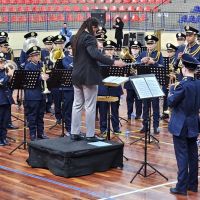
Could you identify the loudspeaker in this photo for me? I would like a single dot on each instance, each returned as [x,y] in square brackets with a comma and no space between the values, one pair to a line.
[100,15]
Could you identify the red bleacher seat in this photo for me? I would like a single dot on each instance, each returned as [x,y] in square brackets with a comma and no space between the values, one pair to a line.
[76,8]
[135,1]
[109,1]
[58,8]
[122,8]
[12,1]
[50,8]
[151,1]
[69,17]
[82,1]
[135,18]
[20,9]
[79,17]
[28,2]
[131,8]
[85,8]
[35,8]
[147,9]
[36,2]
[139,9]
[144,1]
[91,1]
[22,19]
[5,19]
[105,8]
[117,1]
[4,9]
[14,19]
[19,1]
[142,18]
[100,1]
[67,8]
[73,1]
[107,17]
[5,2]
[113,8]
[12,9]
[94,7]
[48,2]
[155,9]
[43,8]
[125,18]
[57,2]
[61,17]
[27,9]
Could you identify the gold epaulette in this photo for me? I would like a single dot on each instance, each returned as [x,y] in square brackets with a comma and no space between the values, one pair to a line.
[157,56]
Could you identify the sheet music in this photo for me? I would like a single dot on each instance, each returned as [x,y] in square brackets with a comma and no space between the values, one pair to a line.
[100,144]
[115,80]
[141,88]
[154,86]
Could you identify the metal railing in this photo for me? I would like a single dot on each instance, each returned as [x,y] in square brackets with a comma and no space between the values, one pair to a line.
[45,21]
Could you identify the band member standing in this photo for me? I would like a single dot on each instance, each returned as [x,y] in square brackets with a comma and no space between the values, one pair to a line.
[109,48]
[198,38]
[180,37]
[34,98]
[135,48]
[171,54]
[151,57]
[86,76]
[68,92]
[8,53]
[46,60]
[59,43]
[184,125]
[5,100]
[119,25]
[30,40]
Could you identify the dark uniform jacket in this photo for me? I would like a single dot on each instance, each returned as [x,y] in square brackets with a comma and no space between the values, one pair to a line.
[119,30]
[185,104]
[86,70]
[34,94]
[5,92]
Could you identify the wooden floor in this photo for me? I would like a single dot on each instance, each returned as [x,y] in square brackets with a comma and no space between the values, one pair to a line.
[21,182]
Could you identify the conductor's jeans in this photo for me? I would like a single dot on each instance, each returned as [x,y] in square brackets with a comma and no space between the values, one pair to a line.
[84,95]
[186,152]
[4,114]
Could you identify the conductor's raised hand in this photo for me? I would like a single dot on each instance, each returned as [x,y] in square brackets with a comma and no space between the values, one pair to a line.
[119,63]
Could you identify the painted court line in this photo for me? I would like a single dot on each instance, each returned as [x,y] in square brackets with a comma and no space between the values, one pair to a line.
[139,190]
[88,192]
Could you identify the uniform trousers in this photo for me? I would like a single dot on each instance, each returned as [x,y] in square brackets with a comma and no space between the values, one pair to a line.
[84,95]
[4,115]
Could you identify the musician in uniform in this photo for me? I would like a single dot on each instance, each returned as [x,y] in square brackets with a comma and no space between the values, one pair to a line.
[34,98]
[198,38]
[68,92]
[184,125]
[5,99]
[171,54]
[181,40]
[46,60]
[27,43]
[151,57]
[59,43]
[135,48]
[8,53]
[100,40]
[109,48]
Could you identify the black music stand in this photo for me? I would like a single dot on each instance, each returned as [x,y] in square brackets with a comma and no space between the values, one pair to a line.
[22,80]
[146,86]
[160,73]
[60,78]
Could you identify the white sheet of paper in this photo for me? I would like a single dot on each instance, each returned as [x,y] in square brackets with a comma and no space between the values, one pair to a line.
[100,144]
[115,79]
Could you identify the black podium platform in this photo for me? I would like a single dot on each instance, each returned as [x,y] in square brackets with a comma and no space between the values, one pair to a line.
[67,158]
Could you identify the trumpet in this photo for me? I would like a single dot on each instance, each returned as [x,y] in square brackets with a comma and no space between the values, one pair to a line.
[44,71]
[125,54]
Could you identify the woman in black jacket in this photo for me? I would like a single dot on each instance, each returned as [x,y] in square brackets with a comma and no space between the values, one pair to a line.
[86,77]
[119,25]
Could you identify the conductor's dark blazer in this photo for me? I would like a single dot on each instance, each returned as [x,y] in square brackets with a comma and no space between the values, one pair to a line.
[86,70]
[185,104]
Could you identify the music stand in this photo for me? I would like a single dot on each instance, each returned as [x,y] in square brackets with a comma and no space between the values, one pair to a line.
[22,80]
[60,78]
[146,86]
[160,73]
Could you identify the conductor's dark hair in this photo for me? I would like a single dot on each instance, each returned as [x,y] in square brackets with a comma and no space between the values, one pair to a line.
[87,24]
[120,19]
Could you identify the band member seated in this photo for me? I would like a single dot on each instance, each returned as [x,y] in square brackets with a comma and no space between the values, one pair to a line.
[46,60]
[109,48]
[135,49]
[151,57]
[34,98]
[30,39]
[5,99]
[68,92]
[184,125]
[8,53]
[59,41]
[171,52]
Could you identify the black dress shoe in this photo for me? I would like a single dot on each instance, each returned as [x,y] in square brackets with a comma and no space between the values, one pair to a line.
[11,126]
[76,137]
[156,131]
[95,138]
[137,117]
[43,136]
[192,189]
[2,142]
[175,191]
